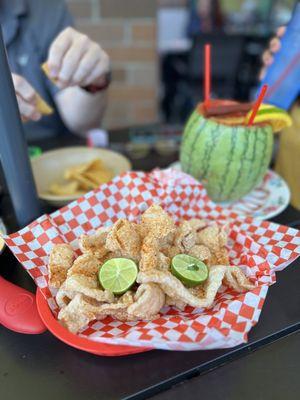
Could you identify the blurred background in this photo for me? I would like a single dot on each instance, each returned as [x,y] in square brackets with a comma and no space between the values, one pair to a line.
[156,50]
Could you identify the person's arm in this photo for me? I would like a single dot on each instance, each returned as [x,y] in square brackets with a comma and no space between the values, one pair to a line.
[80,110]
[76,62]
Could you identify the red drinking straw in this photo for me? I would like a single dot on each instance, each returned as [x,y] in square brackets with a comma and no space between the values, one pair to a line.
[207,74]
[257,104]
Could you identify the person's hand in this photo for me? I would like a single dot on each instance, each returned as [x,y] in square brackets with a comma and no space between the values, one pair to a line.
[26,97]
[75,60]
[274,46]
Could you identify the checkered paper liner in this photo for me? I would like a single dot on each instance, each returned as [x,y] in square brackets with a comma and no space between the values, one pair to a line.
[259,247]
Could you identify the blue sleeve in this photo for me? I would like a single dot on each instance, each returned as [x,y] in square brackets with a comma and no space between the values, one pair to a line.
[58,18]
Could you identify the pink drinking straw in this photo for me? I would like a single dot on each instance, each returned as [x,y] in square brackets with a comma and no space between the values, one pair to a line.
[207,74]
[257,104]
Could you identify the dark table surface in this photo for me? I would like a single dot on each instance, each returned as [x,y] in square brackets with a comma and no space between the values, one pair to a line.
[271,373]
[42,367]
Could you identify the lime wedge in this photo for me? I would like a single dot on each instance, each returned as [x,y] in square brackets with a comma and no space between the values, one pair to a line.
[118,275]
[189,270]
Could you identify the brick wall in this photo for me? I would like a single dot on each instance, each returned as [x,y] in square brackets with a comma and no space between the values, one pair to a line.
[126,29]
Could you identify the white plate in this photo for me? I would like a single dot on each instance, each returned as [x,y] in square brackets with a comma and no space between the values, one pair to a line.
[268,199]
[50,166]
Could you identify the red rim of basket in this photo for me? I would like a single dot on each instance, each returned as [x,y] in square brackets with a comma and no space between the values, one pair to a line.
[101,349]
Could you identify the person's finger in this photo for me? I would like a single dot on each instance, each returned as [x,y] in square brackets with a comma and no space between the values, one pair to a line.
[93,77]
[281,31]
[58,49]
[23,88]
[72,58]
[87,64]
[267,58]
[262,74]
[28,110]
[275,45]
[98,72]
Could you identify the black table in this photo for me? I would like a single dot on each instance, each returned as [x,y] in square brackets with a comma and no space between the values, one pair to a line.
[42,367]
[271,373]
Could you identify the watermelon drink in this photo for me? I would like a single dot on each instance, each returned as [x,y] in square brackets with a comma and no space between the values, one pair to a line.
[220,150]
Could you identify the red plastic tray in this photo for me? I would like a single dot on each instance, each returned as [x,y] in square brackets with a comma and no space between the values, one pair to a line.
[101,349]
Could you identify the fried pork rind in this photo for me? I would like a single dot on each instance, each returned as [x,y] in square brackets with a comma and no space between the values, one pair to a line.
[87,265]
[124,238]
[95,244]
[83,285]
[199,251]
[149,254]
[149,299]
[117,310]
[215,238]
[156,222]
[185,237]
[175,303]
[164,262]
[157,229]
[89,287]
[170,251]
[237,280]
[63,296]
[197,224]
[178,292]
[77,314]
[186,241]
[81,310]
[152,244]
[219,257]
[82,278]
[61,259]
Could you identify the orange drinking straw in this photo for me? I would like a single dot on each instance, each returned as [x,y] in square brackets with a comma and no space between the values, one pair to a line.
[207,73]
[257,104]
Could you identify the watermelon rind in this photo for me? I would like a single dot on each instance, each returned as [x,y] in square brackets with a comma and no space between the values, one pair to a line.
[229,160]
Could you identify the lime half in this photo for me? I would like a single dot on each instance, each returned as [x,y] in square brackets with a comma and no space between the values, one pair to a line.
[189,270]
[118,275]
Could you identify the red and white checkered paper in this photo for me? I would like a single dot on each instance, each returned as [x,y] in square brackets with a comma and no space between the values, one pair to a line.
[260,247]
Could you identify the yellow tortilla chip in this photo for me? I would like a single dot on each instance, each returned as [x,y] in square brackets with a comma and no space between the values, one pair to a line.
[64,189]
[96,165]
[42,106]
[99,177]
[84,182]
[46,71]
[75,170]
[82,178]
[82,168]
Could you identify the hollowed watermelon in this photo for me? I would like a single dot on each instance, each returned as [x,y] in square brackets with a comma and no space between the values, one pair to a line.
[229,160]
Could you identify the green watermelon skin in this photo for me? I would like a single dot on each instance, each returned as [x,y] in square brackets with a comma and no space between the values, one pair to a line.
[229,160]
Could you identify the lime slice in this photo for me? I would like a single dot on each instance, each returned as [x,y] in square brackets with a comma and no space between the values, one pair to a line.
[118,275]
[276,117]
[189,270]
